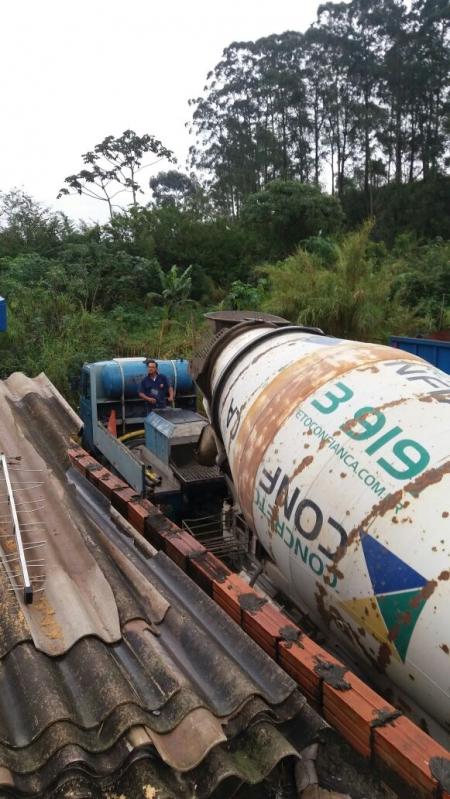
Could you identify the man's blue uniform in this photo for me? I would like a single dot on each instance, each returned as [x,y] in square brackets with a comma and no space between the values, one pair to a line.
[155,387]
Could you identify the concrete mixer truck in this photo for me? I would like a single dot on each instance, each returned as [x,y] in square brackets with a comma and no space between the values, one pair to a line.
[338,455]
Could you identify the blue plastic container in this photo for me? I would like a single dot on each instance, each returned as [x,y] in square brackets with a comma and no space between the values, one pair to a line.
[435,352]
[125,376]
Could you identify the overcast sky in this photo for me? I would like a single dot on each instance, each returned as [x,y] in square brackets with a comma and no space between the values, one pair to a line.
[75,71]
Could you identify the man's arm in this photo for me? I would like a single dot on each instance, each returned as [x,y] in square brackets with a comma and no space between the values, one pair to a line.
[143,395]
[147,399]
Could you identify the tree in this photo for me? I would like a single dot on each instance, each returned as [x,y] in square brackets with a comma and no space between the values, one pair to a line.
[285,213]
[28,226]
[174,188]
[432,60]
[112,163]
[248,122]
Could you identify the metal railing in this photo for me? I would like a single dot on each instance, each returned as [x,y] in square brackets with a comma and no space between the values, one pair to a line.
[225,535]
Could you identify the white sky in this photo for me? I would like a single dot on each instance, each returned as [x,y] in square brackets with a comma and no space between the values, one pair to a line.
[75,72]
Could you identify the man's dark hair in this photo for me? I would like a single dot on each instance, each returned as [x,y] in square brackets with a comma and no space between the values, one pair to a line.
[150,360]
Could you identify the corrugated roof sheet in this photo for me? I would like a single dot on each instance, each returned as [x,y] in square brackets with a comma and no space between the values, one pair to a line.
[124,679]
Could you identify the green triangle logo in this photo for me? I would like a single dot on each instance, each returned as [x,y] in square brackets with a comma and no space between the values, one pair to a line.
[400,613]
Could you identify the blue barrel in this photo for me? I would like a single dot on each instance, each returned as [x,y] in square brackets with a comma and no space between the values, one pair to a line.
[126,375]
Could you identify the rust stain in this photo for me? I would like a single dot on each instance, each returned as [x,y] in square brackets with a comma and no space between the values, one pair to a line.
[333,615]
[384,657]
[392,404]
[373,369]
[426,398]
[445,514]
[445,575]
[333,569]
[382,507]
[279,400]
[427,478]
[381,662]
[319,596]
[249,366]
[351,423]
[445,648]
[343,475]
[302,465]
[393,632]
[423,594]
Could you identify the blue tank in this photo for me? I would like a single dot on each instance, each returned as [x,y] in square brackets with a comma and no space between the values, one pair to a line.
[124,375]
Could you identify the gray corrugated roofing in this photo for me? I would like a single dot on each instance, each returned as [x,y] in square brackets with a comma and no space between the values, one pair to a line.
[133,684]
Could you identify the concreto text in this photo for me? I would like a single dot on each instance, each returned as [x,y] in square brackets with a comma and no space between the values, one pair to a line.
[303,521]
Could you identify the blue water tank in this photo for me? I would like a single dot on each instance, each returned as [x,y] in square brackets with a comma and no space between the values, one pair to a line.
[2,315]
[125,375]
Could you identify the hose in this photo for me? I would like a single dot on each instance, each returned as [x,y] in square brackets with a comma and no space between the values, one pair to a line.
[130,436]
[152,477]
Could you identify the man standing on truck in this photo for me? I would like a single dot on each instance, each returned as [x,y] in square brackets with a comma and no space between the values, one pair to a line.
[154,388]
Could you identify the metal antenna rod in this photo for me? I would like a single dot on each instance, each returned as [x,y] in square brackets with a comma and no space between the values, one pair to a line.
[27,589]
[15,468]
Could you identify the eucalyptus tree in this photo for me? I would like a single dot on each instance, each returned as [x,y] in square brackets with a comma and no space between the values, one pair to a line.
[174,188]
[431,20]
[365,18]
[282,96]
[395,85]
[247,123]
[333,61]
[223,121]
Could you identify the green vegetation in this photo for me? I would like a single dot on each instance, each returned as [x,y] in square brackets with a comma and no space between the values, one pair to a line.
[363,96]
[87,294]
